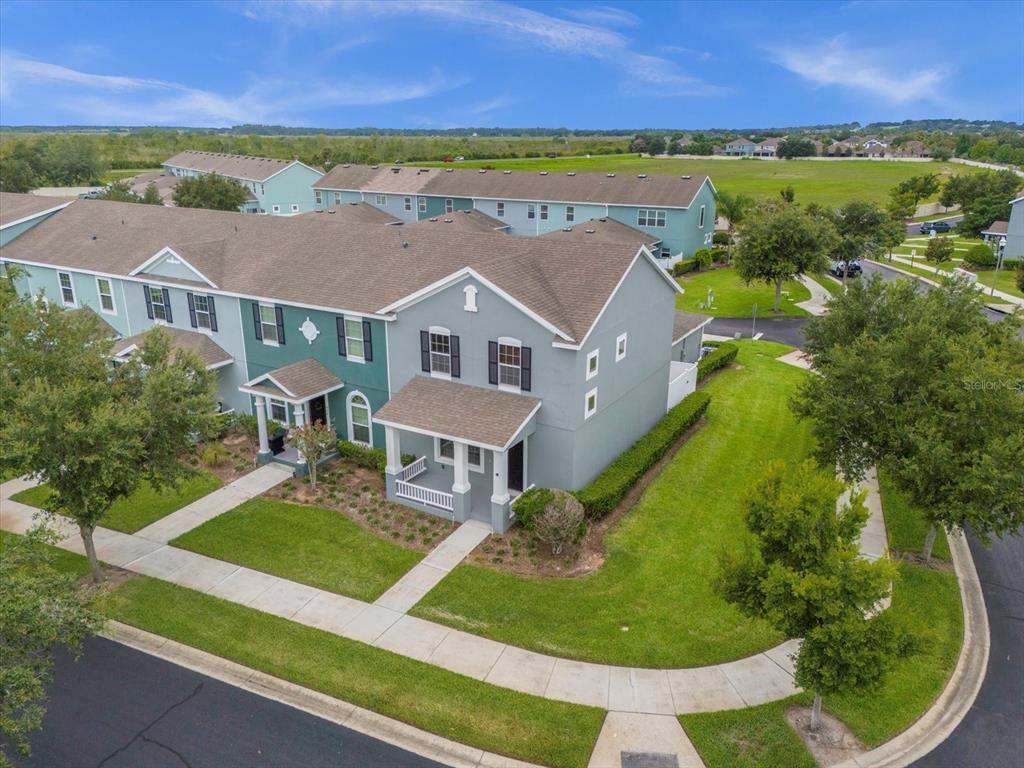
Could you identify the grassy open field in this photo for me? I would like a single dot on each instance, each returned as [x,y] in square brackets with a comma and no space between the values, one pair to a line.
[734,299]
[827,182]
[652,603]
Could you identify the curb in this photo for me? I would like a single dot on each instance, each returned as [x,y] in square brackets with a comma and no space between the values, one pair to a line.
[394,732]
[957,698]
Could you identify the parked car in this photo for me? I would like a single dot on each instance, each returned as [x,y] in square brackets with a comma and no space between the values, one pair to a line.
[937,226]
[839,268]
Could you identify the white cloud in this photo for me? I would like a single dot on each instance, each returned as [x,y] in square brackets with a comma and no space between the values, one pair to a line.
[97,98]
[490,105]
[605,14]
[510,22]
[870,72]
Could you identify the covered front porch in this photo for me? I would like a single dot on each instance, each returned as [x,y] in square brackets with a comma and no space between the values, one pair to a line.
[301,387]
[470,445]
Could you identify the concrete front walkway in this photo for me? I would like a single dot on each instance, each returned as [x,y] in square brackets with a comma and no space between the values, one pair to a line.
[819,296]
[653,741]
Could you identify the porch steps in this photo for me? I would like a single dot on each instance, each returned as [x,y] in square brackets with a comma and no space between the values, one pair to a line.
[427,574]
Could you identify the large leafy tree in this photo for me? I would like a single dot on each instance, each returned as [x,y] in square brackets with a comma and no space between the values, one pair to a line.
[41,608]
[92,433]
[861,229]
[780,241]
[795,146]
[802,573]
[922,383]
[210,190]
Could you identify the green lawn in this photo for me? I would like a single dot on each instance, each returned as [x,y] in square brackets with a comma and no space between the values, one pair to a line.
[905,525]
[734,299]
[1005,278]
[756,737]
[312,545]
[124,173]
[834,287]
[826,182]
[451,705]
[143,507]
[652,603]
[63,561]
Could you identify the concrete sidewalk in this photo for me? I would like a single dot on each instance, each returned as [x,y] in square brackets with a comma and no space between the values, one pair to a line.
[981,284]
[819,296]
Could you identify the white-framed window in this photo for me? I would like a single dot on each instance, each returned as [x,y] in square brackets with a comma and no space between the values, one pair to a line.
[201,303]
[449,205]
[590,403]
[531,211]
[500,210]
[444,453]
[359,429]
[510,363]
[337,198]
[317,196]
[593,361]
[268,324]
[407,204]
[355,347]
[620,347]
[570,213]
[543,213]
[156,298]
[382,199]
[277,410]
[650,217]
[295,208]
[106,292]
[440,352]
[700,224]
[275,208]
[421,204]
[67,290]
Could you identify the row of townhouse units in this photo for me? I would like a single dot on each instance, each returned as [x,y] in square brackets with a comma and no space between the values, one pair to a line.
[677,211]
[498,362]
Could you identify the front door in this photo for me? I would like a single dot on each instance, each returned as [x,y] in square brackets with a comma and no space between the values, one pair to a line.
[515,467]
[318,410]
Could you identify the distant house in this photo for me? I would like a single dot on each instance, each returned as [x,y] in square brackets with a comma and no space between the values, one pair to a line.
[911,148]
[163,181]
[767,148]
[740,147]
[278,187]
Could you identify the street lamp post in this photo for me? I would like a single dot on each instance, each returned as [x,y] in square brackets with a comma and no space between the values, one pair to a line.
[998,247]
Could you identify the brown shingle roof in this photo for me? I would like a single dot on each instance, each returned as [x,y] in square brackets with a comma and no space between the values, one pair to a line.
[461,221]
[685,323]
[298,381]
[602,230]
[209,351]
[15,206]
[996,228]
[236,166]
[600,188]
[353,213]
[486,417]
[309,261]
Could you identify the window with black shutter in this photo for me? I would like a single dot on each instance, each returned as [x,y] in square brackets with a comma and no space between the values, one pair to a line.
[425,351]
[339,324]
[492,362]
[456,362]
[526,376]
[367,342]
[279,314]
[167,306]
[149,302]
[257,323]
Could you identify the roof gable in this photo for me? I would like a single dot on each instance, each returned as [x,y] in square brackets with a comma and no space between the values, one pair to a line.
[168,263]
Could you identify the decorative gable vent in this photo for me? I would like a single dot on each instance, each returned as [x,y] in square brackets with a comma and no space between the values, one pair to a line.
[470,291]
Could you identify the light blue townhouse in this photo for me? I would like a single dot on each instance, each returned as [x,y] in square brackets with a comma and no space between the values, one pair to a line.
[484,357]
[276,187]
[679,211]
[740,147]
[19,213]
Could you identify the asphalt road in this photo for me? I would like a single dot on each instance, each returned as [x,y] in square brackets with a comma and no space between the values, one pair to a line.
[914,227]
[121,708]
[992,733]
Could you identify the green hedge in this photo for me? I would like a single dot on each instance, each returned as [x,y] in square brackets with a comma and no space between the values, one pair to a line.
[531,503]
[371,458]
[720,358]
[601,496]
[680,268]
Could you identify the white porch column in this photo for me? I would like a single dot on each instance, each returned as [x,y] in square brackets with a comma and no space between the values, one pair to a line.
[393,447]
[461,484]
[499,492]
[261,424]
[300,421]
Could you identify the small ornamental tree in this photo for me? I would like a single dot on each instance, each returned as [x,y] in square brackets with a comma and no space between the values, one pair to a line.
[803,575]
[314,441]
[93,433]
[152,195]
[939,249]
[119,192]
[563,521]
[891,234]
[210,190]
[41,608]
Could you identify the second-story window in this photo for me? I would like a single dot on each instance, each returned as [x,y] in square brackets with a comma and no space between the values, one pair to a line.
[318,197]
[543,213]
[531,211]
[439,353]
[649,217]
[158,304]
[509,364]
[67,290]
[407,204]
[337,198]
[106,293]
[382,199]
[269,323]
[449,205]
[570,213]
[700,224]
[421,204]
[355,348]
[500,209]
[202,311]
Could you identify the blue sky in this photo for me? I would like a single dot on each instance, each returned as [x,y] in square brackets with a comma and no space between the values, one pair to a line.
[451,63]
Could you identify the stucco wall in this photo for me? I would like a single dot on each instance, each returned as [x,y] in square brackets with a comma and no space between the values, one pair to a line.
[1015,233]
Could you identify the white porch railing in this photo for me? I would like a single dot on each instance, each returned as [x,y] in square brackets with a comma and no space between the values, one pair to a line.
[416,468]
[428,496]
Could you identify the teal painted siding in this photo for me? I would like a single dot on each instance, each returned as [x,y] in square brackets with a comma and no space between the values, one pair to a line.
[682,233]
[7,234]
[371,378]
[436,206]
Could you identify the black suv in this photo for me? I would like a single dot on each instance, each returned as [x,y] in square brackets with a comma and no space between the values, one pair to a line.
[938,226]
[839,267]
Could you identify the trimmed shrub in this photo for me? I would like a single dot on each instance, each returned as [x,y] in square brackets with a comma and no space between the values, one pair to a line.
[704,257]
[601,496]
[720,358]
[249,425]
[563,521]
[370,458]
[939,249]
[720,254]
[530,503]
[222,424]
[980,256]
[720,238]
[682,267]
[214,455]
